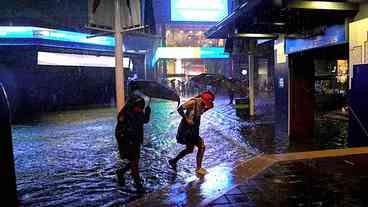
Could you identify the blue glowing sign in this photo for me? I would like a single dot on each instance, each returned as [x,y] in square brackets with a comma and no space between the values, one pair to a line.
[16,32]
[53,34]
[199,10]
[189,53]
[333,35]
[213,52]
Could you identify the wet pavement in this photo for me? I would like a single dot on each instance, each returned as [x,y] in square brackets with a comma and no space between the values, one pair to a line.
[332,181]
[223,179]
[331,133]
[69,158]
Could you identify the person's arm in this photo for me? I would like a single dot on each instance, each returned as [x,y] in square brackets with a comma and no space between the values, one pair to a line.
[208,108]
[147,114]
[181,111]
[187,105]
[121,115]
[119,126]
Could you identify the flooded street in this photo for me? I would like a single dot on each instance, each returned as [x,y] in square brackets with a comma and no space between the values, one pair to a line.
[286,82]
[70,158]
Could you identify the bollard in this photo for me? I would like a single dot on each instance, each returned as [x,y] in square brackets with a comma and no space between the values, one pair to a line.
[242,108]
[7,170]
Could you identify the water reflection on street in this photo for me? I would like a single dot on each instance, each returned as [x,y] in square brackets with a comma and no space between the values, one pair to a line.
[70,158]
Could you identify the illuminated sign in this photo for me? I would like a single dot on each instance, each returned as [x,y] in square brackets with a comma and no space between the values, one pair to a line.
[189,53]
[281,83]
[199,10]
[53,34]
[280,52]
[213,52]
[332,35]
[65,59]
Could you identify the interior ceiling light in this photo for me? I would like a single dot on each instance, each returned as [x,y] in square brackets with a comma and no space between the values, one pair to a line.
[324,5]
[256,35]
[279,23]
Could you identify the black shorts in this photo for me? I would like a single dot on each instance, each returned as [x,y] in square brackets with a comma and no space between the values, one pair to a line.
[188,134]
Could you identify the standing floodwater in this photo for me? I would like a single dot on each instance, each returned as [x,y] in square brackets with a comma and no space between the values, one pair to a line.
[70,158]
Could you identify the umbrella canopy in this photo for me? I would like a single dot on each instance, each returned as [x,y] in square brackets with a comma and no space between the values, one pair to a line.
[154,89]
[207,79]
[220,81]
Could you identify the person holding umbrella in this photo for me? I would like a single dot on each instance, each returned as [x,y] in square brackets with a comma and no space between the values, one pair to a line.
[188,130]
[130,121]
[129,136]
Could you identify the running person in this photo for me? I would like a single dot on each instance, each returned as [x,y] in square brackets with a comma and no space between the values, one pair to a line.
[188,130]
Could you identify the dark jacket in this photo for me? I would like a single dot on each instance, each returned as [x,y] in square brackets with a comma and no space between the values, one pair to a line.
[129,126]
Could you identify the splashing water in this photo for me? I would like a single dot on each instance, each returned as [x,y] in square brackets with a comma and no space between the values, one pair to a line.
[70,158]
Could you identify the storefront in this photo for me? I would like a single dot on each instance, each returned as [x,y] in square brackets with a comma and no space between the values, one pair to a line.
[182,63]
[317,84]
[49,69]
[311,56]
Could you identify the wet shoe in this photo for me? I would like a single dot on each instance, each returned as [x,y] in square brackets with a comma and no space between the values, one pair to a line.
[201,171]
[120,179]
[172,165]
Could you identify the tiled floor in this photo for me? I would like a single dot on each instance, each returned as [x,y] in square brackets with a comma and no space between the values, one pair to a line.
[315,178]
[338,181]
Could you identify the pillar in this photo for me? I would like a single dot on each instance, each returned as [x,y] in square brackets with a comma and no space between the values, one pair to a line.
[179,67]
[7,169]
[281,86]
[119,69]
[251,62]
[301,95]
[251,65]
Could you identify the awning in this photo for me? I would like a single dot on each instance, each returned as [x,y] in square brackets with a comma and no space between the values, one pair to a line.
[225,27]
[256,18]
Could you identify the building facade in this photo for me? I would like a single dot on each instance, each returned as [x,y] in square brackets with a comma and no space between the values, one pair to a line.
[49,62]
[185,51]
[316,49]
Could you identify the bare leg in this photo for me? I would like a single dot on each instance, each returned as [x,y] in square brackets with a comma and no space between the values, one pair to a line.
[189,149]
[201,148]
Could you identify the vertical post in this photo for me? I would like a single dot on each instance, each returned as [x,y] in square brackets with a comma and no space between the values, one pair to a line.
[178,67]
[145,66]
[251,82]
[119,68]
[232,66]
[7,170]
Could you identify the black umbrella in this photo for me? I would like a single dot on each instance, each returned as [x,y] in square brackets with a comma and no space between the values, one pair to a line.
[220,81]
[207,79]
[154,89]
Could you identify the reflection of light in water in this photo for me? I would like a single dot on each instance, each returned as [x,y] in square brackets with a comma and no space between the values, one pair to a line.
[81,144]
[218,179]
